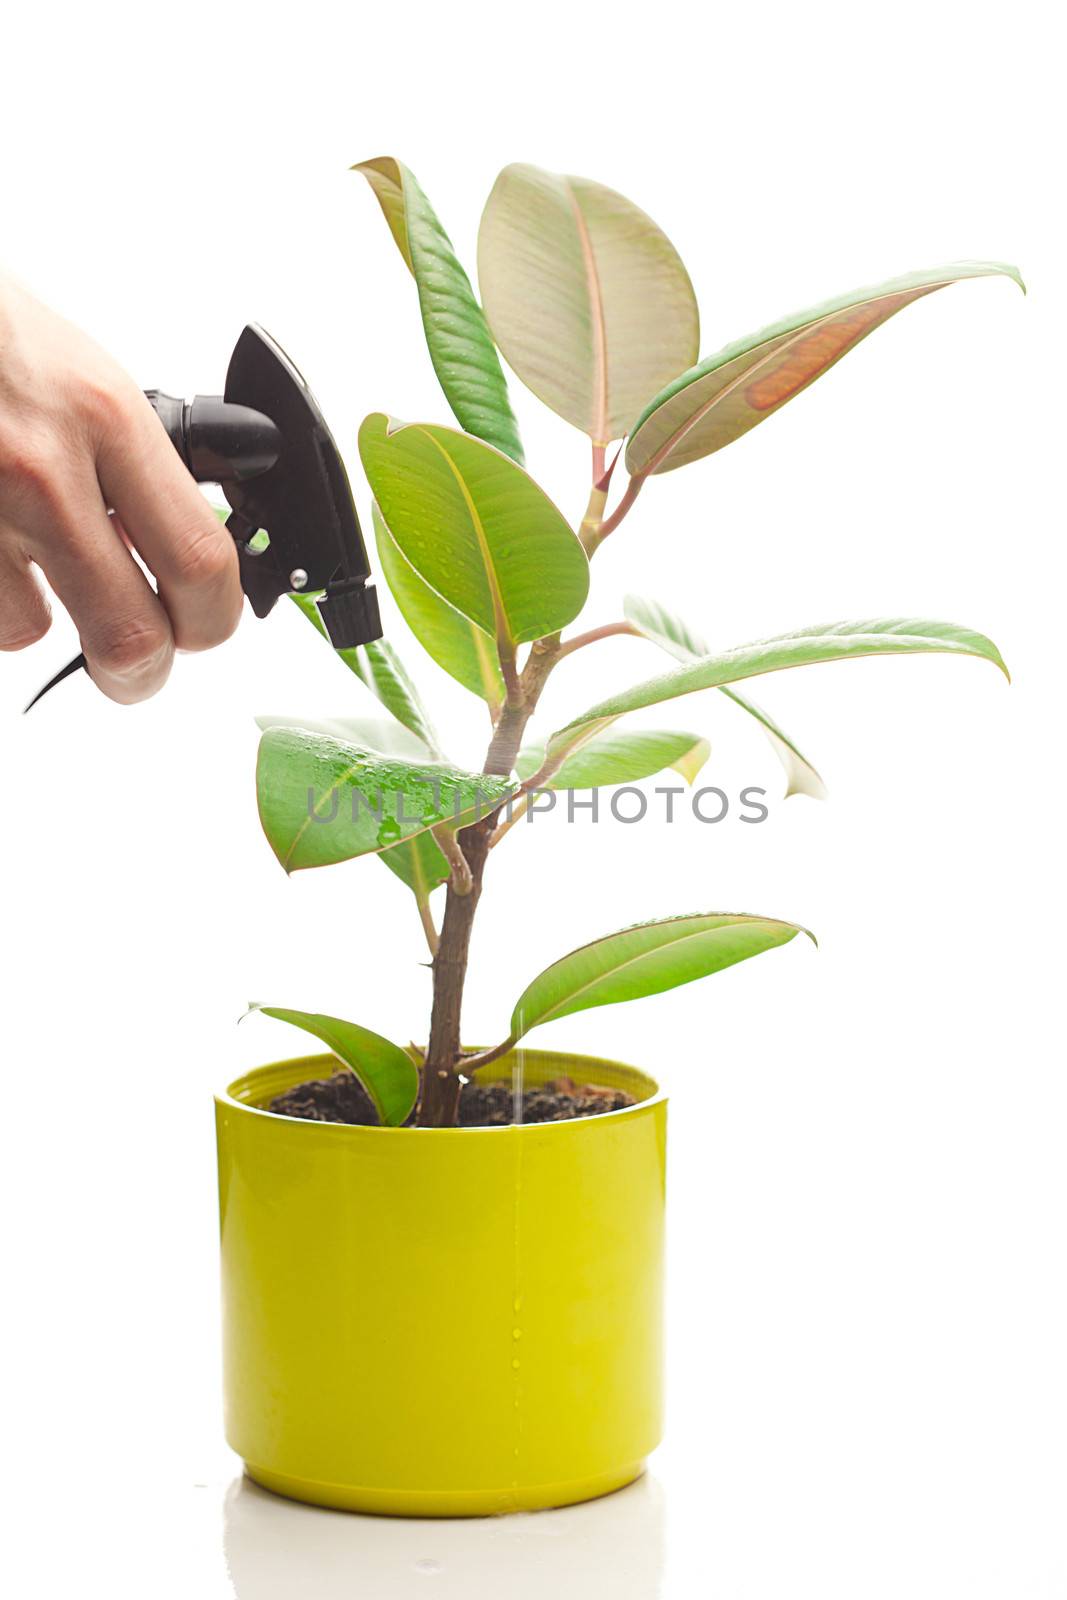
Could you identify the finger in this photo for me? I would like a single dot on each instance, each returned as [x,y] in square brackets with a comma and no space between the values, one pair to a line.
[24,613]
[125,631]
[193,557]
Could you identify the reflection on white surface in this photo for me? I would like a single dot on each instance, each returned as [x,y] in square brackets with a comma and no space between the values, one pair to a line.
[278,1550]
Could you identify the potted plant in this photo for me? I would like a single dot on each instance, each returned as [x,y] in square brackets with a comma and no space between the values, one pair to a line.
[442,1265]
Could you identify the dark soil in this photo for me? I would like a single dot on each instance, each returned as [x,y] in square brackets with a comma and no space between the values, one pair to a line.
[342,1098]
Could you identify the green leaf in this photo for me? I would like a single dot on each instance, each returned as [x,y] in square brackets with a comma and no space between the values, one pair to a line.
[386,677]
[621,758]
[369,733]
[801,776]
[464,650]
[586,296]
[323,800]
[381,670]
[726,394]
[419,863]
[459,341]
[387,1073]
[644,960]
[662,627]
[476,529]
[836,641]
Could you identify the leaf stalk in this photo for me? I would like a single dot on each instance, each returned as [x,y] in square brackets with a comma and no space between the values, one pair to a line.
[470,1064]
[633,489]
[608,630]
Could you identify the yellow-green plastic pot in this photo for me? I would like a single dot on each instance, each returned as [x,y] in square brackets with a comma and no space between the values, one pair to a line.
[443,1322]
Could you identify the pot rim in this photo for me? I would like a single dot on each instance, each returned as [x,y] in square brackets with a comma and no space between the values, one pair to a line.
[232,1100]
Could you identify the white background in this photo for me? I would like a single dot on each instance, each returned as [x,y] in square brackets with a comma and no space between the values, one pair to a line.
[868,1183]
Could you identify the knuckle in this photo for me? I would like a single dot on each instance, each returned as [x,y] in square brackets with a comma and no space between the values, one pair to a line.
[19,634]
[204,558]
[31,466]
[104,408]
[131,648]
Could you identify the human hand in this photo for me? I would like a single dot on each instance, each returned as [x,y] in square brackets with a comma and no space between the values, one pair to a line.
[77,439]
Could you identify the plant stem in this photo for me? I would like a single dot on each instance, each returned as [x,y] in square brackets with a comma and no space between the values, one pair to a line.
[509,674]
[439,1105]
[548,768]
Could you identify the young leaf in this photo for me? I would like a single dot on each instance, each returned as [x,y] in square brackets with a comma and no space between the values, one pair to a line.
[380,668]
[726,394]
[662,627]
[386,1072]
[386,676]
[836,641]
[621,758]
[476,529]
[586,296]
[323,800]
[464,650]
[461,348]
[644,960]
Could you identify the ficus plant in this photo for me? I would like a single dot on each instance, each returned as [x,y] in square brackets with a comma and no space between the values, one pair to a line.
[590,305]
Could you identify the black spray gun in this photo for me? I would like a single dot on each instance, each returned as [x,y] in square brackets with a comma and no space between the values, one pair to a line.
[266,444]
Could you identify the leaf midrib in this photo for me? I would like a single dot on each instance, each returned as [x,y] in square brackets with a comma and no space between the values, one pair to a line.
[599,322]
[338,783]
[633,960]
[920,647]
[481,642]
[582,729]
[503,629]
[809,327]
